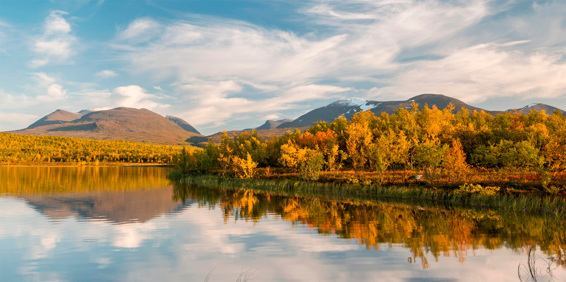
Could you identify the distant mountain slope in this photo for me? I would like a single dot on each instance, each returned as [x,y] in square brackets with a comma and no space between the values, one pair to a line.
[264,134]
[137,125]
[56,117]
[351,106]
[183,124]
[537,107]
[269,124]
[327,113]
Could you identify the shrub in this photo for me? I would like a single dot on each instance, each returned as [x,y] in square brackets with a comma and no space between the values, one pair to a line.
[310,168]
[244,168]
[477,189]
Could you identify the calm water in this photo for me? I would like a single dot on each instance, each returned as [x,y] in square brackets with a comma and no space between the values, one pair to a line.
[120,224]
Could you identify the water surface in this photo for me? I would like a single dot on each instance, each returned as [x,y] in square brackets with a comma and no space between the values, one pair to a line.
[132,223]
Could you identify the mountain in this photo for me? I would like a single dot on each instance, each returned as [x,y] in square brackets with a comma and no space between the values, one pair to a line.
[137,125]
[351,106]
[183,124]
[537,107]
[264,134]
[269,124]
[56,117]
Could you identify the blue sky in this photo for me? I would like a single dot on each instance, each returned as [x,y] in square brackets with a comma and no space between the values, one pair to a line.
[234,64]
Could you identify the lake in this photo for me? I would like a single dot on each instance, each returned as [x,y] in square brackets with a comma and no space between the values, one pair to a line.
[134,224]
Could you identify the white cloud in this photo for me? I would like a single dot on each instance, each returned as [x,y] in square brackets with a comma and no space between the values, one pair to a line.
[48,88]
[225,72]
[214,61]
[43,79]
[472,72]
[134,96]
[212,102]
[271,117]
[55,44]
[140,30]
[56,24]
[11,121]
[106,74]
[54,92]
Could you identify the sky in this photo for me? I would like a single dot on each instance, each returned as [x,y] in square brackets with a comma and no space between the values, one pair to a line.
[234,64]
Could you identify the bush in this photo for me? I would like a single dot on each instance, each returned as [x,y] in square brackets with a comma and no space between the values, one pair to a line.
[244,168]
[310,168]
[477,189]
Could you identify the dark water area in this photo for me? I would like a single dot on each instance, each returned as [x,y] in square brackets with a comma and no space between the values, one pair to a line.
[134,224]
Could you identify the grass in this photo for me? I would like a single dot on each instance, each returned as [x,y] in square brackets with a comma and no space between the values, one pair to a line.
[505,202]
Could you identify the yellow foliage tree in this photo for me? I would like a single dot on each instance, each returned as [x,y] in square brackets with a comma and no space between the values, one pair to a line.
[244,168]
[454,162]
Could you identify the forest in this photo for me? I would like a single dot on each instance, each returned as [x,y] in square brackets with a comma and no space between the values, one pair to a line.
[18,149]
[439,146]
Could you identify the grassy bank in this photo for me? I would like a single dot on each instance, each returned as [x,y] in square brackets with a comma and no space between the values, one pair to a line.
[505,201]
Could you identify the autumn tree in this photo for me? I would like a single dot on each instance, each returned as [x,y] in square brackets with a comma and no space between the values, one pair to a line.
[454,162]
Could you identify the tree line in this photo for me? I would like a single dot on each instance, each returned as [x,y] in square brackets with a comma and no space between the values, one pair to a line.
[15,148]
[423,139]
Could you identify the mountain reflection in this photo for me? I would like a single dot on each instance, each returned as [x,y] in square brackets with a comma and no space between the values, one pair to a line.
[425,231]
[113,194]
[113,206]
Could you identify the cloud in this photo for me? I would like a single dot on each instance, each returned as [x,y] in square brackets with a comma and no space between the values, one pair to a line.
[140,30]
[231,69]
[11,121]
[221,73]
[51,91]
[136,97]
[54,92]
[106,74]
[55,44]
[212,102]
[55,24]
[472,72]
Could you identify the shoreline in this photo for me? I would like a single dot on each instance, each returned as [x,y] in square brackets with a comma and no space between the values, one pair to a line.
[507,201]
[87,164]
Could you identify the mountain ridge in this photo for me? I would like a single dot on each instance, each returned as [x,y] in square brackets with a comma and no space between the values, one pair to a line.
[122,123]
[349,107]
[142,125]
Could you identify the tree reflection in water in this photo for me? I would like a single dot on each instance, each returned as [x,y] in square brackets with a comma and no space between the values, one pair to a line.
[432,231]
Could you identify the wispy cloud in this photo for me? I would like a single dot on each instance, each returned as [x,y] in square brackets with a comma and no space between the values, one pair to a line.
[141,30]
[223,73]
[55,44]
[224,55]
[480,72]
[215,104]
[106,74]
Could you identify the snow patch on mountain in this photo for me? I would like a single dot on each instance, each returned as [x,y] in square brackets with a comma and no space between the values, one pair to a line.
[352,102]
[529,106]
[356,102]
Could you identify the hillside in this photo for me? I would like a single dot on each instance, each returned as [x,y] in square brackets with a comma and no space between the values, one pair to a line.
[351,106]
[264,134]
[183,124]
[270,124]
[537,107]
[137,125]
[56,117]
